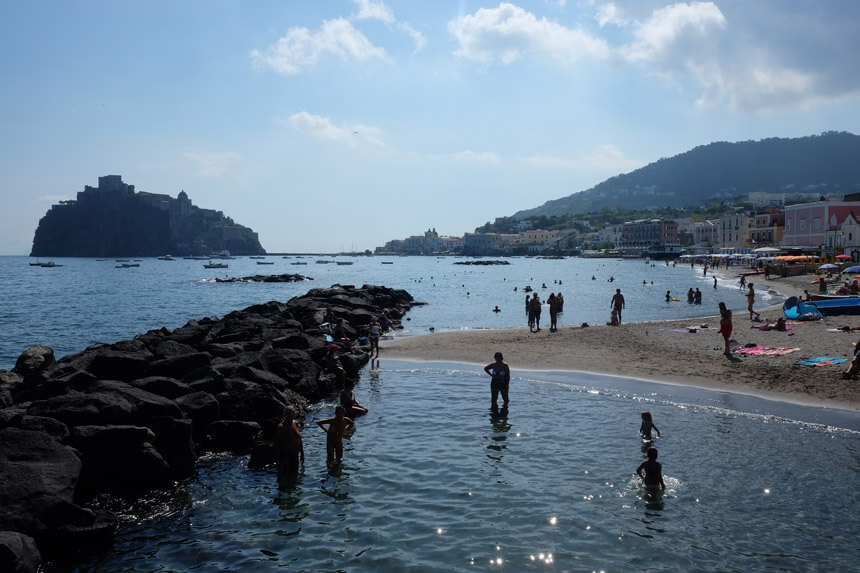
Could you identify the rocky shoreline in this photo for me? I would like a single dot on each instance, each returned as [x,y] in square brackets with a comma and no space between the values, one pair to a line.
[132,416]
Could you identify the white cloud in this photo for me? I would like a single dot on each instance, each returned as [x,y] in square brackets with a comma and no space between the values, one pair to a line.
[605,158]
[302,49]
[212,165]
[320,127]
[368,10]
[611,14]
[671,32]
[509,33]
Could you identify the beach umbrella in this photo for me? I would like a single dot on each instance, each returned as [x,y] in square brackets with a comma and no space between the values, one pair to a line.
[855,269]
[828,266]
[843,256]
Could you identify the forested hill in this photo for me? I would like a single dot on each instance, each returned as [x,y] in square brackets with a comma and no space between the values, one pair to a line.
[826,163]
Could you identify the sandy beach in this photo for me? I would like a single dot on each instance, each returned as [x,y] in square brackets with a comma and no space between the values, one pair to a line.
[656,351]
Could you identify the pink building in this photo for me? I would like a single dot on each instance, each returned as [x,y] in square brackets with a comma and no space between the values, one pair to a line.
[806,225]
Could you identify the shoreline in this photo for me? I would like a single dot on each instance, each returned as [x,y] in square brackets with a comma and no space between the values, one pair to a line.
[655,352]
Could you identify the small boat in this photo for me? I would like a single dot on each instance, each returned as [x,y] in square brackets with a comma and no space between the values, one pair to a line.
[298,263]
[265,262]
[832,307]
[122,260]
[127,265]
[256,257]
[387,262]
[344,262]
[211,265]
[49,265]
[324,262]
[815,297]
[167,258]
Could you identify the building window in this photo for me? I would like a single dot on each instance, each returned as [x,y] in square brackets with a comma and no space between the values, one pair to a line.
[816,223]
[802,224]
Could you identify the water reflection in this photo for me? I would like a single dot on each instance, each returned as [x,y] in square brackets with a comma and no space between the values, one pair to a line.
[499,421]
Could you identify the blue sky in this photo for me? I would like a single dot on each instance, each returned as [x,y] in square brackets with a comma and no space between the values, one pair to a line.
[337,125]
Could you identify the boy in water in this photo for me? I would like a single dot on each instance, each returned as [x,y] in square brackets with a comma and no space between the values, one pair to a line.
[647,424]
[337,427]
[288,444]
[653,471]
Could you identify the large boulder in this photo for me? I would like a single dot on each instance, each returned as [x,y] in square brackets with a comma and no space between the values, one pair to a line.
[180,365]
[119,365]
[174,442]
[247,401]
[162,386]
[19,553]
[119,457]
[107,402]
[232,436]
[202,409]
[38,475]
[34,359]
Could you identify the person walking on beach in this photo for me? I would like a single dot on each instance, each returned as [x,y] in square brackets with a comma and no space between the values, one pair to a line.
[651,471]
[743,282]
[337,428]
[751,301]
[726,326]
[289,449]
[529,312]
[617,303]
[500,380]
[534,312]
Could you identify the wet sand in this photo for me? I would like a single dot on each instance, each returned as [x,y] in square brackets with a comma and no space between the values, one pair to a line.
[653,351]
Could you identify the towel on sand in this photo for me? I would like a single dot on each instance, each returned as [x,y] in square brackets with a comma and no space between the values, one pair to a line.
[766,351]
[822,361]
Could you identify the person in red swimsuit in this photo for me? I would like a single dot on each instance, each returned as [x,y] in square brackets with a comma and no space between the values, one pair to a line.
[726,326]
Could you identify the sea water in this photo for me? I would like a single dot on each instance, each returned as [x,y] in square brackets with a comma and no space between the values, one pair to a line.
[432,479]
[86,301]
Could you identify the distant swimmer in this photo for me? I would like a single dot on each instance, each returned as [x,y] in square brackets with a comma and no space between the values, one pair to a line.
[497,309]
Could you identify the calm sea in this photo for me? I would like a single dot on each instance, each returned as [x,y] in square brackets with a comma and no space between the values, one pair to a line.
[85,301]
[432,480]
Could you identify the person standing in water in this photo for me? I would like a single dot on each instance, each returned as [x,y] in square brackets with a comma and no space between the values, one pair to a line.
[500,380]
[647,425]
[651,471]
[289,449]
[617,303]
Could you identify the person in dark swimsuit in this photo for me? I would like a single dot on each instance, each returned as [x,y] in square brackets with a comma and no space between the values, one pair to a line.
[500,379]
[651,471]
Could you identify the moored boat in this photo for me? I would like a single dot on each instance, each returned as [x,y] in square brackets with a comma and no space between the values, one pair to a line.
[211,265]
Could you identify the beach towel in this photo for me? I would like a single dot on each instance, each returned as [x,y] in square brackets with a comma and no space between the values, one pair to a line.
[766,351]
[822,361]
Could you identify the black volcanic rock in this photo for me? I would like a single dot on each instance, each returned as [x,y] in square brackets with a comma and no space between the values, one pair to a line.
[133,415]
[113,220]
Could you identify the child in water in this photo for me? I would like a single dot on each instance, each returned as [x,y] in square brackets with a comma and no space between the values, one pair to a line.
[337,427]
[653,471]
[348,401]
[647,424]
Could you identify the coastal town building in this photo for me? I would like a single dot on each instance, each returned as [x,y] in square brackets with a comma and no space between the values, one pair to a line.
[807,224]
[734,229]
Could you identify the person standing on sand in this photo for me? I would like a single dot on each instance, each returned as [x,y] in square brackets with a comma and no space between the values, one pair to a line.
[500,380]
[534,312]
[617,303]
[726,326]
[751,301]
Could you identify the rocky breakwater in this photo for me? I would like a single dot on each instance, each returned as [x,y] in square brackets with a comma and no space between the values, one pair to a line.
[133,416]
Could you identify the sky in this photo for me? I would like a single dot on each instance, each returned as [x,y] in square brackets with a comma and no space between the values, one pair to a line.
[339,125]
